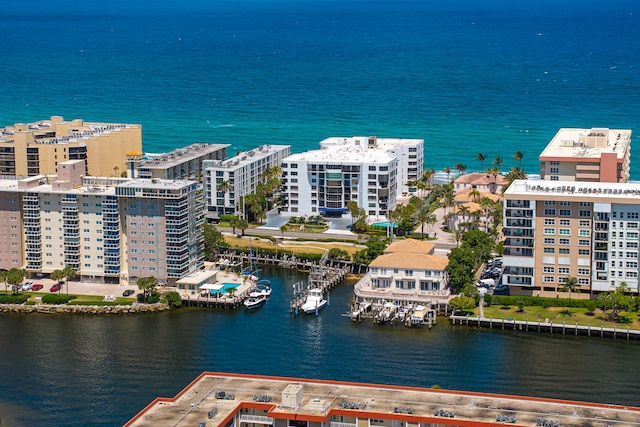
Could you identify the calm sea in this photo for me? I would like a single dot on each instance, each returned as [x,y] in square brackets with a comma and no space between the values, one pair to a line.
[494,77]
[77,370]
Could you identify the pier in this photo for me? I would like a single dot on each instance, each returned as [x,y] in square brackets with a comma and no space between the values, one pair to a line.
[546,327]
[323,277]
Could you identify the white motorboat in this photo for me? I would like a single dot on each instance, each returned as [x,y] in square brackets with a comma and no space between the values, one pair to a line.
[254,302]
[315,301]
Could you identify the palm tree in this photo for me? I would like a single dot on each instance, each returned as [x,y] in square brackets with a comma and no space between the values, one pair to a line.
[474,194]
[498,162]
[15,276]
[481,158]
[456,236]
[57,276]
[570,285]
[147,285]
[422,215]
[464,210]
[492,174]
[69,274]
[461,168]
[115,170]
[447,170]
[518,157]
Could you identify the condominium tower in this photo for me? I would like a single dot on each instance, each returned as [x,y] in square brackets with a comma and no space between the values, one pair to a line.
[597,154]
[226,182]
[556,230]
[108,229]
[37,148]
[324,181]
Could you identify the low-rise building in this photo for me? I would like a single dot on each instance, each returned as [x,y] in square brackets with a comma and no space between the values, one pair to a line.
[407,272]
[479,181]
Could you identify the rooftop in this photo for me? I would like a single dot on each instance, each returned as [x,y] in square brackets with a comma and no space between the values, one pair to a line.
[575,143]
[268,399]
[416,261]
[343,153]
[246,157]
[598,191]
[181,155]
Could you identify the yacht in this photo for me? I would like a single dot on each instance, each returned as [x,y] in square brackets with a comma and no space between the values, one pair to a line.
[254,302]
[314,302]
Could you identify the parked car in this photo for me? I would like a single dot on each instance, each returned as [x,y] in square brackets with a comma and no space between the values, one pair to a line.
[128,292]
[37,287]
[27,286]
[501,290]
[54,288]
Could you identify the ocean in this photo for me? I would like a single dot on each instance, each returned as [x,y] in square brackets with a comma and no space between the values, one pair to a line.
[495,77]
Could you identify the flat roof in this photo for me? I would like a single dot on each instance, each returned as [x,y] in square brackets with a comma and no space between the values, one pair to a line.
[577,143]
[197,277]
[603,192]
[181,155]
[246,157]
[320,400]
[343,153]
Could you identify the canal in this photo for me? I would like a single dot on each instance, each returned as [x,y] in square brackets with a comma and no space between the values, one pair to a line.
[82,370]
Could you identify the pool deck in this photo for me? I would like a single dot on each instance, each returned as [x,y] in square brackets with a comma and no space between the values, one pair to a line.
[317,401]
[245,285]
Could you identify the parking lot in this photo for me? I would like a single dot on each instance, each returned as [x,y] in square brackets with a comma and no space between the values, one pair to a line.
[81,288]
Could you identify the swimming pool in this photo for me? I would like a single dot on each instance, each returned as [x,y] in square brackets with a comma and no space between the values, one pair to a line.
[227,286]
[384,224]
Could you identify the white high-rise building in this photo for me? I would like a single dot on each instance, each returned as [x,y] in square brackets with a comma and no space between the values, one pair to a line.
[324,181]
[241,173]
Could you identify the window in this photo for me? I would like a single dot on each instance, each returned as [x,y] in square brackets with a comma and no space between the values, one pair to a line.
[584,204]
[549,250]
[564,241]
[549,241]
[583,271]
[550,212]
[584,233]
[583,281]
[549,269]
[554,170]
[584,251]
[564,251]
[565,212]
[565,222]
[549,203]
[632,215]
[555,178]
[632,225]
[632,235]
[585,223]
[584,214]
[550,231]
[632,245]
[548,279]
[563,270]
[583,242]
[564,232]
[549,221]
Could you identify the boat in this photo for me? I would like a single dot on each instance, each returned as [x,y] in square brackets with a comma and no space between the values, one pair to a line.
[254,302]
[387,313]
[315,301]
[261,290]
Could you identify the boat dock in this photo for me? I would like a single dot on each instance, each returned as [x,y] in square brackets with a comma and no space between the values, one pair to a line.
[321,277]
[546,327]
[391,313]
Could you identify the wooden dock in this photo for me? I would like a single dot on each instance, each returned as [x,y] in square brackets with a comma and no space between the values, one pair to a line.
[546,327]
[322,277]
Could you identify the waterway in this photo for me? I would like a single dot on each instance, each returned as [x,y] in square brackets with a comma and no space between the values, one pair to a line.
[81,370]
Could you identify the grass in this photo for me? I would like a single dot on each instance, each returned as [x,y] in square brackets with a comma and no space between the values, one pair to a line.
[293,246]
[558,315]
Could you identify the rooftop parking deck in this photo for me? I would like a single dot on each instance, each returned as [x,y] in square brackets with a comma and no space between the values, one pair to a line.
[264,400]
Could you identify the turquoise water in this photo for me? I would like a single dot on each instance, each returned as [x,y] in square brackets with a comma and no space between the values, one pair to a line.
[384,224]
[494,77]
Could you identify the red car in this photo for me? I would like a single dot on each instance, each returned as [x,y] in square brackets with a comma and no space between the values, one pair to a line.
[54,288]
[36,287]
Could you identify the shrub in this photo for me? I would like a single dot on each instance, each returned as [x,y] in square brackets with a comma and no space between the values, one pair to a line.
[540,301]
[57,299]
[590,306]
[488,298]
[153,298]
[173,299]
[226,218]
[13,299]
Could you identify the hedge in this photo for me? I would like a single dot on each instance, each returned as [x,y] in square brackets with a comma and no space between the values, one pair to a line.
[538,301]
[57,299]
[13,299]
[279,252]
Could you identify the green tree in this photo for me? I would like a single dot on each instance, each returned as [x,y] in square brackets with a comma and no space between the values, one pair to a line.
[337,253]
[243,224]
[512,175]
[518,157]
[4,277]
[173,299]
[148,286]
[461,168]
[354,210]
[233,222]
[447,170]
[15,276]
[462,303]
[570,285]
[213,241]
[456,236]
[421,216]
[57,276]
[481,158]
[69,274]
[498,162]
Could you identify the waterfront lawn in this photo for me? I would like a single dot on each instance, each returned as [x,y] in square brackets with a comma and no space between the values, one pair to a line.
[99,300]
[557,315]
[295,247]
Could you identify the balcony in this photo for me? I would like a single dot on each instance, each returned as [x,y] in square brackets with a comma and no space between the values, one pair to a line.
[518,232]
[511,213]
[519,242]
[518,252]
[519,281]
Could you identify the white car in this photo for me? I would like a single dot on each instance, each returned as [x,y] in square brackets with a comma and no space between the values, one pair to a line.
[27,286]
